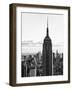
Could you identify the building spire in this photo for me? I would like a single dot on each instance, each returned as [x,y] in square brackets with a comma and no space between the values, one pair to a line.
[47,21]
[47,26]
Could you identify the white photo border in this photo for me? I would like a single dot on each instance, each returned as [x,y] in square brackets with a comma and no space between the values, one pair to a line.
[63,77]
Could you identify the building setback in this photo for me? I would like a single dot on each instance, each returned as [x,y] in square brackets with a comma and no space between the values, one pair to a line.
[47,54]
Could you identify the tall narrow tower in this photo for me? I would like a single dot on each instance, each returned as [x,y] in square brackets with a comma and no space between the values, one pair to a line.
[47,54]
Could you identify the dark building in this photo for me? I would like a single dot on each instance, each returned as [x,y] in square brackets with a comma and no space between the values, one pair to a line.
[57,63]
[47,55]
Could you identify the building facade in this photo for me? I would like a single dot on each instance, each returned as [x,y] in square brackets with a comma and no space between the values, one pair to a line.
[47,54]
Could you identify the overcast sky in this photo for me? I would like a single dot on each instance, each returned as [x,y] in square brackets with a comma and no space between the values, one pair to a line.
[34,27]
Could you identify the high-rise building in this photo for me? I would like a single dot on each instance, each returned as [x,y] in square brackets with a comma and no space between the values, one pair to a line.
[47,54]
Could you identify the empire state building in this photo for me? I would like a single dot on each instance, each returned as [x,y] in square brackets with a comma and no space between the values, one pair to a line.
[47,54]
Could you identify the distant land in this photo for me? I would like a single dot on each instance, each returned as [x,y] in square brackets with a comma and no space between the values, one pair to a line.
[35,47]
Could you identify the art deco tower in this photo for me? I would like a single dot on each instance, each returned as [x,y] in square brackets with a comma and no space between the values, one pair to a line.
[47,54]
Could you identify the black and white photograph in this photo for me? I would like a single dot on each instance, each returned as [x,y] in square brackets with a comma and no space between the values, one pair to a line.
[42,44]
[40,53]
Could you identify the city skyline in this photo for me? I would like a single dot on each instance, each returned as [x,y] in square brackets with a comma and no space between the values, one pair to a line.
[44,62]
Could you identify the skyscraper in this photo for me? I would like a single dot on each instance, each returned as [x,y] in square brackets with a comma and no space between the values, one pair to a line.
[47,54]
